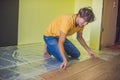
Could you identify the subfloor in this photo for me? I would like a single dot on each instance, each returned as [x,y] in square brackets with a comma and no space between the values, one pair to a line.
[26,62]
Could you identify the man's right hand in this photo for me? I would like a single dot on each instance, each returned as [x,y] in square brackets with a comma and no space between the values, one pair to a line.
[63,65]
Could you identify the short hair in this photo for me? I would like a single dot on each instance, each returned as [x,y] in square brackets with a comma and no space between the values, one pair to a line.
[87,14]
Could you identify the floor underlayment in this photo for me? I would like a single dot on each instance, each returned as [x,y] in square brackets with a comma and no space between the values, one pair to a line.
[26,62]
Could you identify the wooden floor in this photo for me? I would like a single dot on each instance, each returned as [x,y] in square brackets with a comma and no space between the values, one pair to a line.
[91,69]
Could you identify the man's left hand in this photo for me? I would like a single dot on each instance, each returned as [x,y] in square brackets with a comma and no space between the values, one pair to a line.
[92,54]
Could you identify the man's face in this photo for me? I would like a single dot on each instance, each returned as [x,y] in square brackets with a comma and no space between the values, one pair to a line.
[81,21]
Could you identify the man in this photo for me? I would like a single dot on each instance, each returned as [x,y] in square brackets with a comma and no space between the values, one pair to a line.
[55,36]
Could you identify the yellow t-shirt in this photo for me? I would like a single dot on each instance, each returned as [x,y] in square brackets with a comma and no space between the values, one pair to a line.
[65,23]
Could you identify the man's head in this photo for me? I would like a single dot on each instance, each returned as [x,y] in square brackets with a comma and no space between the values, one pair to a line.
[85,16]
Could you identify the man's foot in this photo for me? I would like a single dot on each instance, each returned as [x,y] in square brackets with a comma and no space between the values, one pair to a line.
[47,55]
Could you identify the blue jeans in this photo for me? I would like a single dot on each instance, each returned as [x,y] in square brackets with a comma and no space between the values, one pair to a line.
[52,48]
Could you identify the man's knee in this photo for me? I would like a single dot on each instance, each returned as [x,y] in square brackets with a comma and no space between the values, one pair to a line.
[76,55]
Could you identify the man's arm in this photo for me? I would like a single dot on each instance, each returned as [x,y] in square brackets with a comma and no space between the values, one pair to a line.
[61,41]
[83,43]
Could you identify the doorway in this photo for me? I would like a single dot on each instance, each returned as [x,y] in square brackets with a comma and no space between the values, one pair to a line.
[8,22]
[117,39]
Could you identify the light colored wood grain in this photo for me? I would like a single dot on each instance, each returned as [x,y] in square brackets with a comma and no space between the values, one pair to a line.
[109,70]
[91,69]
[73,69]
[113,72]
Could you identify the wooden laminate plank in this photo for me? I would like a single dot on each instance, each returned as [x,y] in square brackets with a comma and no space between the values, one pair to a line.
[113,73]
[72,70]
[109,70]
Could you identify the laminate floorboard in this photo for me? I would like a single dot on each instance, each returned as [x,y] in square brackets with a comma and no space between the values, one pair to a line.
[91,69]
[71,70]
[113,72]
